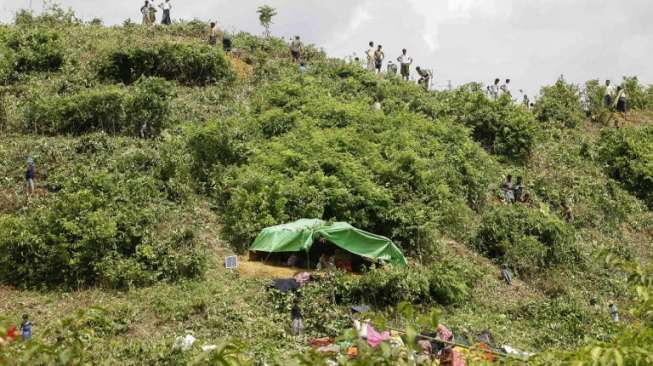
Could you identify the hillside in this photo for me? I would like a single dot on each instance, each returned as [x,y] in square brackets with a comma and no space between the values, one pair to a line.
[157,155]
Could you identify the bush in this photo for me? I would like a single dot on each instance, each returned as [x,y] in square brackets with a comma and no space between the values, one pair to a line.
[500,126]
[187,64]
[95,231]
[114,110]
[445,283]
[31,49]
[334,158]
[626,154]
[638,97]
[560,104]
[525,240]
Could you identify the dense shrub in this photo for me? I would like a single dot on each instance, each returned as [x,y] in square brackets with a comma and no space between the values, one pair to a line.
[560,104]
[444,283]
[95,231]
[307,153]
[139,111]
[500,126]
[31,49]
[638,96]
[526,240]
[218,144]
[627,155]
[187,64]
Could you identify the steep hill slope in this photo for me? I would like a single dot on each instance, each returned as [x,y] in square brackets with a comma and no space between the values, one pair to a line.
[157,155]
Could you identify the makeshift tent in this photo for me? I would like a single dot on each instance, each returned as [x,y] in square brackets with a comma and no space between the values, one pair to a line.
[299,236]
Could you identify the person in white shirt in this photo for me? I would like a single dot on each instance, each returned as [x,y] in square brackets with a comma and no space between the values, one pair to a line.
[494,89]
[609,94]
[370,56]
[405,61]
[165,6]
[505,88]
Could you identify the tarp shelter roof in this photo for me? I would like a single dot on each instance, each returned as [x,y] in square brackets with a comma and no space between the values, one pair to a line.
[299,236]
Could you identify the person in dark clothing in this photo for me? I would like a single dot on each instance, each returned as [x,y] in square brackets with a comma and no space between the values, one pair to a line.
[519,189]
[165,6]
[226,42]
[30,174]
[508,190]
[505,275]
[297,322]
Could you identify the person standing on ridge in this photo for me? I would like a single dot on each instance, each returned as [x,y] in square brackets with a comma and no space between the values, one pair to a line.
[405,61]
[296,49]
[145,11]
[494,89]
[379,56]
[505,88]
[213,34]
[608,95]
[370,56]
[226,42]
[621,102]
[165,6]
[151,11]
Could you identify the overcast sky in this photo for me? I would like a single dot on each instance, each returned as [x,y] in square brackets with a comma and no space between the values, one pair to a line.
[530,41]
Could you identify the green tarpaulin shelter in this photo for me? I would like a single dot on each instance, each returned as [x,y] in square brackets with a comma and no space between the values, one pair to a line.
[299,236]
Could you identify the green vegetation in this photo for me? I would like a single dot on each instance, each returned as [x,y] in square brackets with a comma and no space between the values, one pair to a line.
[139,111]
[157,156]
[191,65]
[525,240]
[628,158]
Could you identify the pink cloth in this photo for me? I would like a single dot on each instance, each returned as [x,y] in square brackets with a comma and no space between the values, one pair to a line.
[374,338]
[303,277]
[444,333]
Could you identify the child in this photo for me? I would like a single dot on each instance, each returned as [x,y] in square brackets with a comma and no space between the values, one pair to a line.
[26,328]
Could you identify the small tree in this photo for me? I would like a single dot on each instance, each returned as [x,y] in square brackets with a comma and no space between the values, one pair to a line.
[265,15]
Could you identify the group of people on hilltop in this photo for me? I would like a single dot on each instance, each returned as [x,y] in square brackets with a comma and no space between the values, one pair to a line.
[375,56]
[148,10]
[614,99]
[213,37]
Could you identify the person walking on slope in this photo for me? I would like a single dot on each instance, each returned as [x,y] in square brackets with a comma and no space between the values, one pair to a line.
[30,174]
[379,56]
[165,6]
[296,49]
[405,61]
[370,56]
